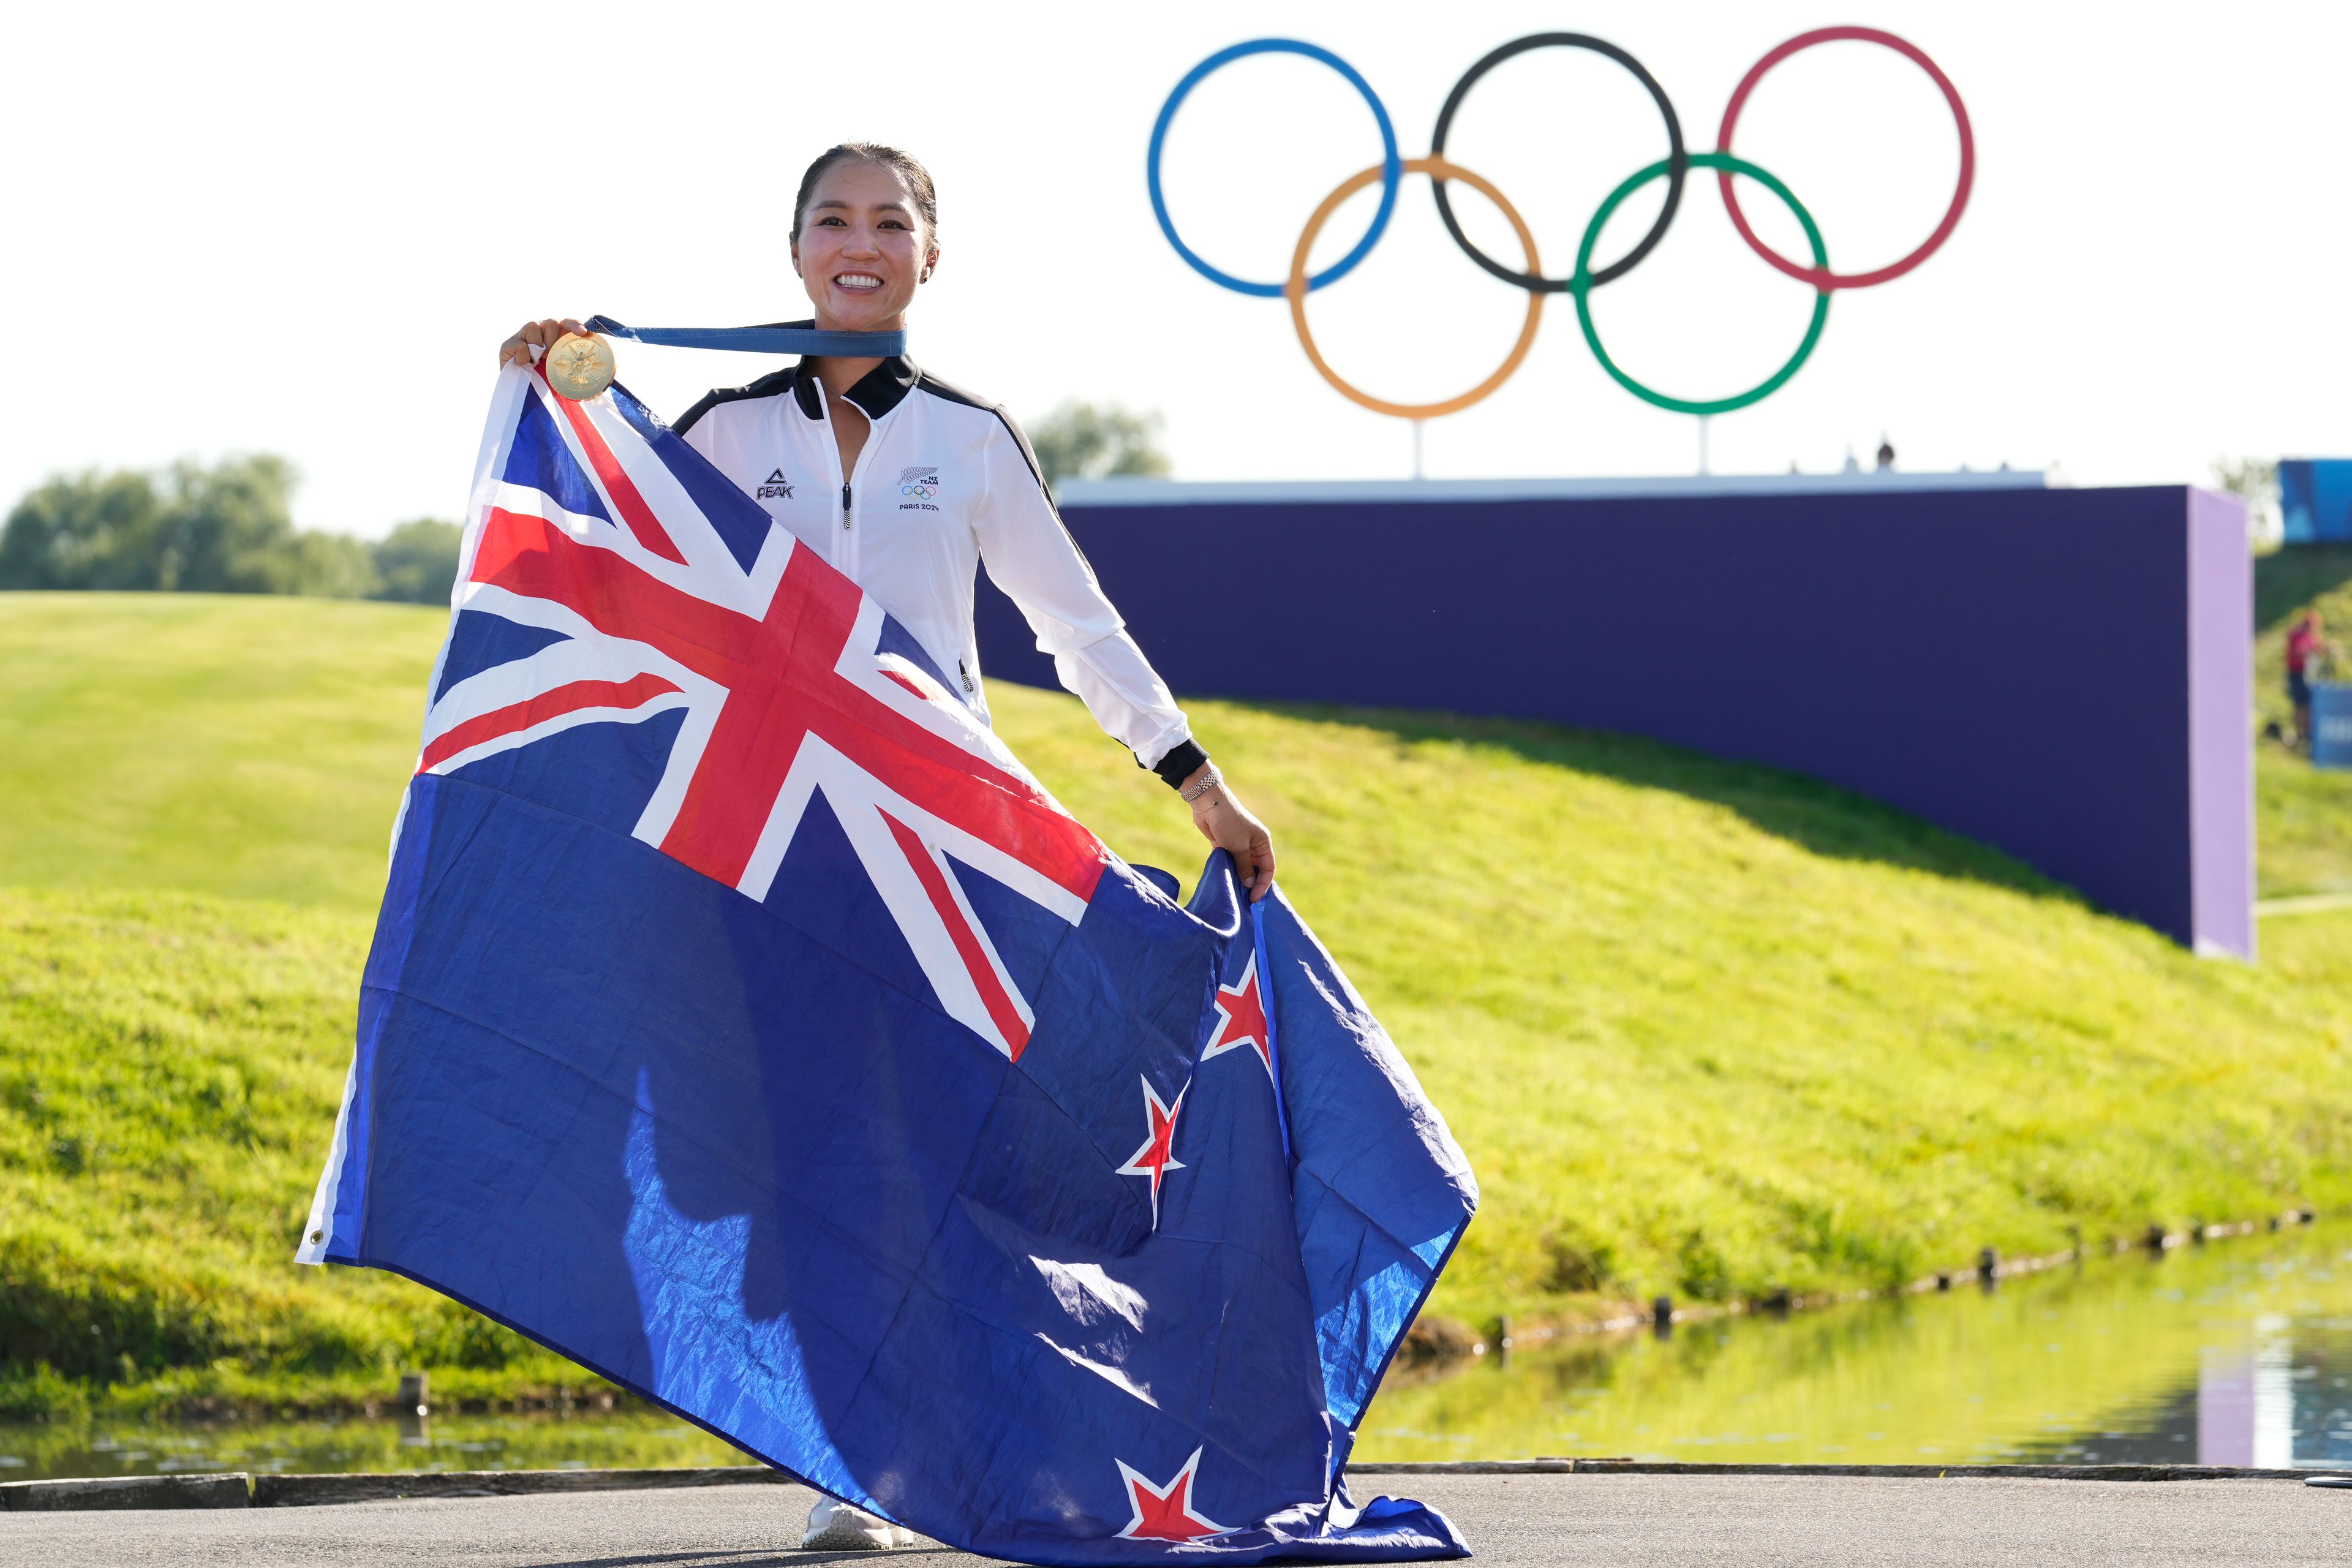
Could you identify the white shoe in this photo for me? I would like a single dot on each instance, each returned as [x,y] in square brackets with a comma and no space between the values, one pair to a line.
[835,1526]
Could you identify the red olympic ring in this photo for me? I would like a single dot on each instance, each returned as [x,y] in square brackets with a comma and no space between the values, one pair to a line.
[1821,278]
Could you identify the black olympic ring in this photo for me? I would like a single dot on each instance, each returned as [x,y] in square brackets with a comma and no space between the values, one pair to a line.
[1677,160]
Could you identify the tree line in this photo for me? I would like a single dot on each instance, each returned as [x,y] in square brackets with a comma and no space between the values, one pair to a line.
[226,528]
[1081,440]
[229,528]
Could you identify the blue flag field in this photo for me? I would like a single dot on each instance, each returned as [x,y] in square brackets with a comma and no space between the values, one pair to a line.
[746,1023]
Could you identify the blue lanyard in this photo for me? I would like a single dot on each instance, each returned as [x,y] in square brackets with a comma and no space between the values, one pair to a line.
[760,340]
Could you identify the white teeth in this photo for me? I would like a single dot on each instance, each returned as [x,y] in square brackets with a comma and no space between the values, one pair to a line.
[858,281]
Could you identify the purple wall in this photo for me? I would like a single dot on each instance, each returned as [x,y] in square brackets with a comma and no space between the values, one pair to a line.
[2220,722]
[2063,673]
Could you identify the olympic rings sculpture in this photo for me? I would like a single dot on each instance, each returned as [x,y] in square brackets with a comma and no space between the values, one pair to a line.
[1582,278]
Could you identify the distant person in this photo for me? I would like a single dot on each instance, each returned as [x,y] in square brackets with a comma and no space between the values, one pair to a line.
[1886,455]
[2306,645]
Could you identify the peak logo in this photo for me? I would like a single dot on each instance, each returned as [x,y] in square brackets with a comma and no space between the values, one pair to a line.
[774,486]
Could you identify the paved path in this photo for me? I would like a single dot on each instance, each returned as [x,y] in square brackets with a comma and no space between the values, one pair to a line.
[1605,1521]
[2309,904]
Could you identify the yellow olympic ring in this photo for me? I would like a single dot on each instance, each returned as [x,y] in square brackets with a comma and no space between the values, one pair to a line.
[1295,290]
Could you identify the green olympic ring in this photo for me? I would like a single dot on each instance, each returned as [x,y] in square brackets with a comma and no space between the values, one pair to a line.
[1580,284]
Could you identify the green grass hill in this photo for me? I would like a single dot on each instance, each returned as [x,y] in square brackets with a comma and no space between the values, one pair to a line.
[1705,1030]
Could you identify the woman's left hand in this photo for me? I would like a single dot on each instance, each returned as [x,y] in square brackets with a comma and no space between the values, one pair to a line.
[1227,823]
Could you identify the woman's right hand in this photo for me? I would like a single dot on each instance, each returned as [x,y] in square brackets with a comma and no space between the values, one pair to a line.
[531,335]
[1229,825]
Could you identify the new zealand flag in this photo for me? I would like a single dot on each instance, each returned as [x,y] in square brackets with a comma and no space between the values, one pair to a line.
[745,1022]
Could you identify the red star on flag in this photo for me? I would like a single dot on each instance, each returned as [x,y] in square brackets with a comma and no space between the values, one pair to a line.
[1165,1513]
[1157,1155]
[1241,1019]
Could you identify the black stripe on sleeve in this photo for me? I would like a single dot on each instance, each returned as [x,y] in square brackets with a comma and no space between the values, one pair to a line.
[767,385]
[1182,760]
[948,393]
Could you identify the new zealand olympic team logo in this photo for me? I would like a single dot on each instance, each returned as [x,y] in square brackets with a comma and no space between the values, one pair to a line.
[1583,278]
[920,482]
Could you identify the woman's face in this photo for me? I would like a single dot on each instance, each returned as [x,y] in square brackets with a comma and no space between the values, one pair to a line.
[861,248]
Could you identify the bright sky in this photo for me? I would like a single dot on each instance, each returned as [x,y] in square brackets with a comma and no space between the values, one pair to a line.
[304,229]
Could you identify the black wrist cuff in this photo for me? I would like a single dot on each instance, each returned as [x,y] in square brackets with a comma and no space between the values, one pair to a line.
[1182,760]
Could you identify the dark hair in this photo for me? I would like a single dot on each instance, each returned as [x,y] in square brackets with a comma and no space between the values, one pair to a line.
[906,165]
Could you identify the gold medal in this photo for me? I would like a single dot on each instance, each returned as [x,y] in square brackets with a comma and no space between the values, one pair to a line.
[579,367]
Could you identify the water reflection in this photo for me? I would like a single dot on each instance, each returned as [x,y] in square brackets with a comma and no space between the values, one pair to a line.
[415,1429]
[2245,1401]
[2238,1353]
[598,1440]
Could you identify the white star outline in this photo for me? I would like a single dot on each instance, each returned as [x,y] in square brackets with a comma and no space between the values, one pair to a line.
[1225,1015]
[1138,1483]
[1155,1112]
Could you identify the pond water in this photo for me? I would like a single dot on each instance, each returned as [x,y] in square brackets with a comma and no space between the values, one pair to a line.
[599,1440]
[2235,1353]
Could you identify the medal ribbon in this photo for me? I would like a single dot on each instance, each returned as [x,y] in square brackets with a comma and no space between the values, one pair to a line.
[778,338]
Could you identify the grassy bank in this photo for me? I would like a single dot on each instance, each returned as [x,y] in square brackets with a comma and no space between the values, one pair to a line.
[1709,1030]
[249,746]
[1704,1029]
[171,1063]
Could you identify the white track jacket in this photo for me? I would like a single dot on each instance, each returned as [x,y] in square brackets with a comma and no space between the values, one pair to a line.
[945,484]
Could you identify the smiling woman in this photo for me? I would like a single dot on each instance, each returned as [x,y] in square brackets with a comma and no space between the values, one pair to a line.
[866,229]
[909,486]
[933,483]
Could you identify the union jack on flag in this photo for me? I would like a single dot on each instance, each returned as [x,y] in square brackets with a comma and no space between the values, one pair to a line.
[659,588]
[746,1024]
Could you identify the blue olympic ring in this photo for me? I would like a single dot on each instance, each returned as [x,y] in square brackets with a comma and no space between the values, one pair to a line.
[1391,166]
